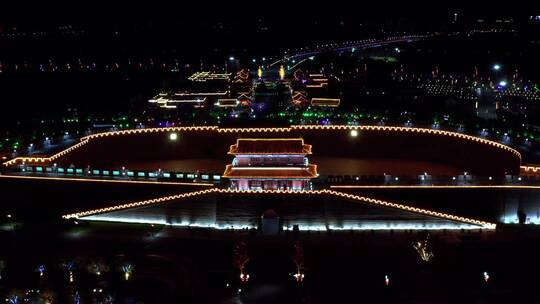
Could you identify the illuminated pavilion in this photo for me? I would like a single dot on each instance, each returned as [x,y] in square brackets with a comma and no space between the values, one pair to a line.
[270,164]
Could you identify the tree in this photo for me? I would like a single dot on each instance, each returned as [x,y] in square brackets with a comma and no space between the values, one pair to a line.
[298,259]
[423,249]
[241,257]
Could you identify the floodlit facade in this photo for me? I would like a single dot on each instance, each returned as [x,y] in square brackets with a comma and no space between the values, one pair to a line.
[270,164]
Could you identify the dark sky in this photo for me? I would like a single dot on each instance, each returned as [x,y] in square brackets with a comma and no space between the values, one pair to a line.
[98,14]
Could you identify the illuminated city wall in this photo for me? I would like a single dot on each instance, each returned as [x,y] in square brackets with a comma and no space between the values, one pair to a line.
[313,210]
[62,197]
[467,153]
[497,204]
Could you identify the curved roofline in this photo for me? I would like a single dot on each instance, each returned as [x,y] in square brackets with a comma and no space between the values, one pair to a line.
[310,172]
[233,149]
[88,138]
[354,197]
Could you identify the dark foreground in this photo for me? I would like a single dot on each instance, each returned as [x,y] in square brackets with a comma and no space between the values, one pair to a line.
[178,265]
[173,265]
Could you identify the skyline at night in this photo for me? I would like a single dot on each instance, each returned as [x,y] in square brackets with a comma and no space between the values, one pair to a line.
[285,156]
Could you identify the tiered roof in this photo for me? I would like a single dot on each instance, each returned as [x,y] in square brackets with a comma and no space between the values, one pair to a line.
[299,97]
[271,172]
[278,146]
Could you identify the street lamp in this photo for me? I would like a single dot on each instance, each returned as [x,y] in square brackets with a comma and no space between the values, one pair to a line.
[496,67]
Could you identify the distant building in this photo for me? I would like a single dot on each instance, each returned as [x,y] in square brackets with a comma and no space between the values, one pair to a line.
[271,95]
[317,81]
[325,102]
[244,98]
[175,100]
[209,76]
[227,103]
[299,98]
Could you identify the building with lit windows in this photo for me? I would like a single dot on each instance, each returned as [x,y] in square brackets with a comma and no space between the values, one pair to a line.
[271,94]
[270,164]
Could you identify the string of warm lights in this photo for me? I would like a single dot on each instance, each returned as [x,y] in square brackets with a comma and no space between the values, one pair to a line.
[306,149]
[149,130]
[409,130]
[353,197]
[254,130]
[433,187]
[94,180]
[529,169]
[139,203]
[45,159]
[325,102]
[86,139]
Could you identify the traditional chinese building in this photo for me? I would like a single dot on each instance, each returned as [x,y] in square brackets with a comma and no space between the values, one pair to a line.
[270,163]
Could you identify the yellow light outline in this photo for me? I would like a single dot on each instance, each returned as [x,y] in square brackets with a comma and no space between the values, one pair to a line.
[372,201]
[86,139]
[433,187]
[233,148]
[312,169]
[82,179]
[320,102]
[534,169]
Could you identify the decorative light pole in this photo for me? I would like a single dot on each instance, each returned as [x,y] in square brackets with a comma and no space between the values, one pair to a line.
[41,270]
[70,267]
[127,269]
